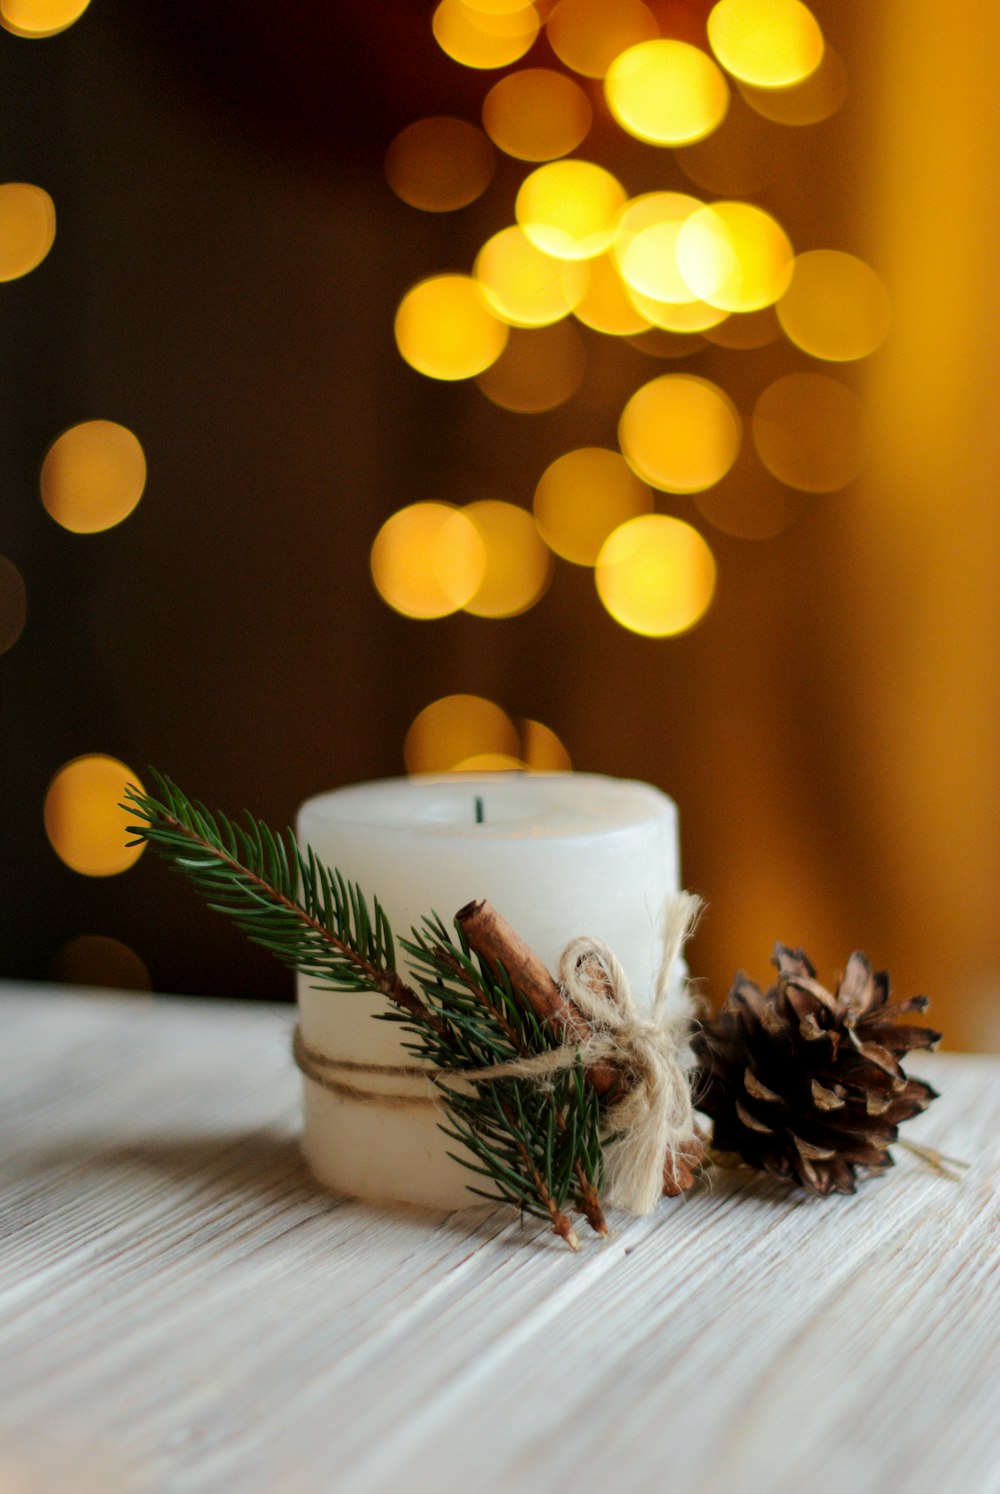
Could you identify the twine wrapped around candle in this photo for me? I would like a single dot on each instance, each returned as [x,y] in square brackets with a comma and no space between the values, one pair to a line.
[649,1118]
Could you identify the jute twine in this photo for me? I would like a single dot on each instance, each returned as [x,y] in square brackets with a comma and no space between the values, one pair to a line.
[653,1118]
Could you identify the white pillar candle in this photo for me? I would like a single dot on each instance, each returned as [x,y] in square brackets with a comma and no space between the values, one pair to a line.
[557,854]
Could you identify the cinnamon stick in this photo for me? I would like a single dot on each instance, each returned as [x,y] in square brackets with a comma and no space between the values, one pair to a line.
[491,936]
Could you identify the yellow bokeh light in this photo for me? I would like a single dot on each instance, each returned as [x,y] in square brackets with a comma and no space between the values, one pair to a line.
[582,496]
[524,286]
[835,307]
[587,35]
[541,749]
[538,370]
[680,433]
[93,476]
[735,256]
[656,576]
[809,431]
[445,329]
[666,92]
[27,228]
[645,244]
[606,305]
[40,18]
[816,98]
[518,566]
[769,43]
[568,208]
[484,39]
[451,730]
[537,114]
[439,164]
[83,820]
[428,560]
[96,960]
[13,604]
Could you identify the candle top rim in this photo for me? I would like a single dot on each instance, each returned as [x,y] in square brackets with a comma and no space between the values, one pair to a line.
[514,806]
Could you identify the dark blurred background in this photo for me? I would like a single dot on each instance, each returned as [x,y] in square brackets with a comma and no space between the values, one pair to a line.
[223,282]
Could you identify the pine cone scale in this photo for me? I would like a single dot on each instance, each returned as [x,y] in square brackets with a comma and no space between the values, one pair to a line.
[827,1099]
[902,1039]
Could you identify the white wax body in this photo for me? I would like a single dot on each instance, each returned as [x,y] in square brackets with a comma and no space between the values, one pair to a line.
[557,854]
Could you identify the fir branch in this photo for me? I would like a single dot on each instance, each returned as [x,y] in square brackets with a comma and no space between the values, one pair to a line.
[281,897]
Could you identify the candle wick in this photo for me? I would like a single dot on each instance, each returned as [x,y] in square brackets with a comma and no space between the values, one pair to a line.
[480,815]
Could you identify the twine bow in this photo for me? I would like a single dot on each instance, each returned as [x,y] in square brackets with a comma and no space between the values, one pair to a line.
[653,1121]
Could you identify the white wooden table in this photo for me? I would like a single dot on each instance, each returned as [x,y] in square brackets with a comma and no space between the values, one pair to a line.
[181,1310]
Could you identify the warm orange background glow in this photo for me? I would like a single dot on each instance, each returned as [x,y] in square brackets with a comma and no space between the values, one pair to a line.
[224,282]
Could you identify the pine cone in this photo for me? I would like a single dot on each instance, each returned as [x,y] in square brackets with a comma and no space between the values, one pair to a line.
[806,1084]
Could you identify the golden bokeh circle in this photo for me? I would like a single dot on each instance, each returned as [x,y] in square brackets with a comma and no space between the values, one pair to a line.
[582,496]
[537,114]
[666,92]
[455,728]
[768,43]
[655,575]
[445,329]
[27,228]
[85,825]
[680,433]
[483,39]
[518,565]
[40,18]
[427,560]
[569,208]
[97,960]
[835,307]
[93,476]
[809,431]
[439,164]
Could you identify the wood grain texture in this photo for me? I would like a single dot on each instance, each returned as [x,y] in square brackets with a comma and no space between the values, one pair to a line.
[182,1310]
